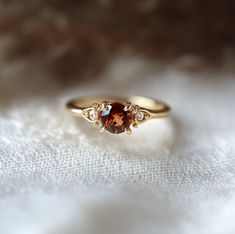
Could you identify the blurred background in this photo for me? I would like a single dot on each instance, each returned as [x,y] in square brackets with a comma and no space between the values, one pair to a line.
[74,40]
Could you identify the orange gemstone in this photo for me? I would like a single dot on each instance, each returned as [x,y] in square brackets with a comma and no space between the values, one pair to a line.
[114,119]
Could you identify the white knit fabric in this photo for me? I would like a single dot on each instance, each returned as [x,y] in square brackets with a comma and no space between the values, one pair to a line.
[60,175]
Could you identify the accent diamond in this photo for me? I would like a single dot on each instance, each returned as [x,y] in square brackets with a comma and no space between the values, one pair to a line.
[93,115]
[139,116]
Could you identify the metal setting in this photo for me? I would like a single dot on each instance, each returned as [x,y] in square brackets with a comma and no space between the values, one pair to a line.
[140,109]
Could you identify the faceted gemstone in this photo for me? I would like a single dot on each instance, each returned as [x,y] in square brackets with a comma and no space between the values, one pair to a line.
[93,115]
[114,119]
[139,116]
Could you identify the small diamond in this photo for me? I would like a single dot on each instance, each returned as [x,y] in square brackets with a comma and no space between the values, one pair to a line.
[93,115]
[139,116]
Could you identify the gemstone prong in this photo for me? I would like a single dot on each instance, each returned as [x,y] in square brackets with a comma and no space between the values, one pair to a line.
[128,131]
[135,109]
[96,124]
[95,105]
[104,104]
[102,130]
[127,106]
[135,125]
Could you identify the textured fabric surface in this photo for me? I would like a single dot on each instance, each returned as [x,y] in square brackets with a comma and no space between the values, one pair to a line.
[175,175]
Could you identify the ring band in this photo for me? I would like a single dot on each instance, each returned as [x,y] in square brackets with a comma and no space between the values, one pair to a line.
[117,114]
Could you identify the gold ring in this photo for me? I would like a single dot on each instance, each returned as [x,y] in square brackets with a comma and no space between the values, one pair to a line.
[117,114]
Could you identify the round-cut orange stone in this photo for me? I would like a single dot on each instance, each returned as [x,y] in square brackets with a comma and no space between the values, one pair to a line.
[114,119]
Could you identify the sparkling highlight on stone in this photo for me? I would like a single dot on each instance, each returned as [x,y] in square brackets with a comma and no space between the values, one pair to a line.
[139,116]
[93,115]
[114,119]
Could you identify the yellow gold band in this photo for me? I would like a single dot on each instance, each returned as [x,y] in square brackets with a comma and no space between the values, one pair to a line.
[157,108]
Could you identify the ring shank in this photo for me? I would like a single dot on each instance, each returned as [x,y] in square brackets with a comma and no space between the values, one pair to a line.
[157,108]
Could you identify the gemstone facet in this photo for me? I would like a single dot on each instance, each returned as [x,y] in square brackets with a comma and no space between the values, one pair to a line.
[114,119]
